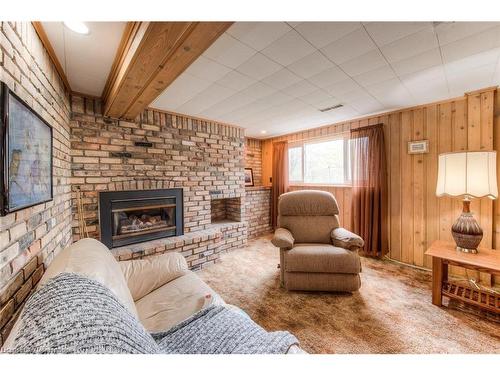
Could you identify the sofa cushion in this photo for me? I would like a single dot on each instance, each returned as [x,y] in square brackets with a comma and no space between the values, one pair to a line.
[321,258]
[145,275]
[92,259]
[174,302]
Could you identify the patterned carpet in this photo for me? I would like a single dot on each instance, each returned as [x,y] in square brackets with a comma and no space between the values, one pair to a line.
[392,312]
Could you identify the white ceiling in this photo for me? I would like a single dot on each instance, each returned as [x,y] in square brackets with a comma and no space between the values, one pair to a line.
[275,76]
[86,59]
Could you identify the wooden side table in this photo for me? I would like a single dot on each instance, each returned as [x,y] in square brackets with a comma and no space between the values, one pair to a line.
[444,254]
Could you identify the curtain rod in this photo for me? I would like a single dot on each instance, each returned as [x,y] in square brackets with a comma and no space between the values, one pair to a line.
[367,127]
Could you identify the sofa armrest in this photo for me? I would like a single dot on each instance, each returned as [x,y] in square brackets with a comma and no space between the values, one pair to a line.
[343,238]
[145,275]
[283,239]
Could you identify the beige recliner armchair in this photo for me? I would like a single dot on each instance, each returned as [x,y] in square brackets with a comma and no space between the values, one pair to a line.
[315,253]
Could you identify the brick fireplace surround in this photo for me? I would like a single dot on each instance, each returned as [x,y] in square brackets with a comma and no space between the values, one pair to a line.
[93,153]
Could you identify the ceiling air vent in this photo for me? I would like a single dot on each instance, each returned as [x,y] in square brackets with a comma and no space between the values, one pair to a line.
[330,108]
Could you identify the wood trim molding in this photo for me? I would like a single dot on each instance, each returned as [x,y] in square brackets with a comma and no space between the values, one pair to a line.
[195,117]
[153,55]
[129,33]
[53,57]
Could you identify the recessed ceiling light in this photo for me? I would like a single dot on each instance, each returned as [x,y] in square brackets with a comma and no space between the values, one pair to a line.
[77,27]
[263,131]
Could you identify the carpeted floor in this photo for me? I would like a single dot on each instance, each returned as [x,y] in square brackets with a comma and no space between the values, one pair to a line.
[392,312]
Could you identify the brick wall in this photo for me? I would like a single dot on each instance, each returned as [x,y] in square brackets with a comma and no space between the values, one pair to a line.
[258,210]
[206,159]
[253,159]
[30,238]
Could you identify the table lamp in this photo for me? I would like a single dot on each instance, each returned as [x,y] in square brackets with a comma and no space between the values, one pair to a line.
[468,174]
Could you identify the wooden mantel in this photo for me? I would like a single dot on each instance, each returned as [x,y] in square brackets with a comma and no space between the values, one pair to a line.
[151,56]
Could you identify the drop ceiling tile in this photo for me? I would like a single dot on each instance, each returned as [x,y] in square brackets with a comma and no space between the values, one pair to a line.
[258,90]
[288,49]
[236,81]
[472,79]
[180,91]
[208,69]
[427,77]
[258,35]
[355,95]
[227,105]
[328,77]
[281,79]
[481,42]
[229,51]
[480,59]
[205,99]
[342,87]
[381,74]
[411,45]
[310,65]
[300,89]
[415,63]
[321,34]
[315,97]
[348,47]
[259,67]
[449,32]
[391,93]
[387,32]
[364,63]
[366,106]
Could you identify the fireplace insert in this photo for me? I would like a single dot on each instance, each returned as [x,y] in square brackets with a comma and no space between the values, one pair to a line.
[127,217]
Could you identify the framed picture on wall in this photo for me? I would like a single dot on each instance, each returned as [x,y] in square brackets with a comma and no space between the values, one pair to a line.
[26,153]
[248,177]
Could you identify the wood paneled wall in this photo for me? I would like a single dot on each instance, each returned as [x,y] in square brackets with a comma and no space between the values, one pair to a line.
[416,216]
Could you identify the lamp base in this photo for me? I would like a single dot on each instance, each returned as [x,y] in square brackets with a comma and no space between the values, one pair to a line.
[466,231]
[464,250]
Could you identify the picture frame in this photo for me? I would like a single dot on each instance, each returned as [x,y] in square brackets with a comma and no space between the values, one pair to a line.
[26,154]
[249,177]
[418,147]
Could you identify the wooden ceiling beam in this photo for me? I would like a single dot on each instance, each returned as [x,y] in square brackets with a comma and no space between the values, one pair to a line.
[151,56]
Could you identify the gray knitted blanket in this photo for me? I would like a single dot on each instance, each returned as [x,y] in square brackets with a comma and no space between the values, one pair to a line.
[219,330]
[73,314]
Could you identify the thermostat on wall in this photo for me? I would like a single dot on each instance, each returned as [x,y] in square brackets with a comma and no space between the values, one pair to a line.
[418,147]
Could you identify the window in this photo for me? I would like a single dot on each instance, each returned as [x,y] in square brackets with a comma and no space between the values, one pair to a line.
[325,161]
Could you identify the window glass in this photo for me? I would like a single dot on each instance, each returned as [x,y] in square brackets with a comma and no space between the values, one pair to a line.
[295,163]
[324,162]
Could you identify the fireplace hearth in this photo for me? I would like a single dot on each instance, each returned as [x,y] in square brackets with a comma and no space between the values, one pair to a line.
[128,217]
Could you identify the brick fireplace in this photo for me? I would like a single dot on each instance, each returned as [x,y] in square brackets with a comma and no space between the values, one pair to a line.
[203,159]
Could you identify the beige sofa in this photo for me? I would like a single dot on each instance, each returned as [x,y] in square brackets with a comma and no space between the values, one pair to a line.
[315,253]
[160,290]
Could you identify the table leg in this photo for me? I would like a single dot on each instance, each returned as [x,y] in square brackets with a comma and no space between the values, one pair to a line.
[439,272]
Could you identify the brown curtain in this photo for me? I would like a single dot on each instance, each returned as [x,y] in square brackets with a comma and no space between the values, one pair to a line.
[280,177]
[369,193]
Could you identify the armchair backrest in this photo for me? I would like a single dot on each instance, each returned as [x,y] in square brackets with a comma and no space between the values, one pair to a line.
[310,215]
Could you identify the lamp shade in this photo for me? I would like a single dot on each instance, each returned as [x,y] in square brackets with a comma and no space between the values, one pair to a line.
[471,173]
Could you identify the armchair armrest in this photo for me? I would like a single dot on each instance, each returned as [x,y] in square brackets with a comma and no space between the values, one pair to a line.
[145,275]
[283,239]
[343,238]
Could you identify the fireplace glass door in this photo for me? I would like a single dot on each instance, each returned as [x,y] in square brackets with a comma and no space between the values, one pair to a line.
[144,217]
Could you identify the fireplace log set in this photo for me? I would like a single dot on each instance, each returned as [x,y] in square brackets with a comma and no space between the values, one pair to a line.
[133,223]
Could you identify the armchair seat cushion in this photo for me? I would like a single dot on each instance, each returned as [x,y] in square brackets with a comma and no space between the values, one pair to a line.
[321,258]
